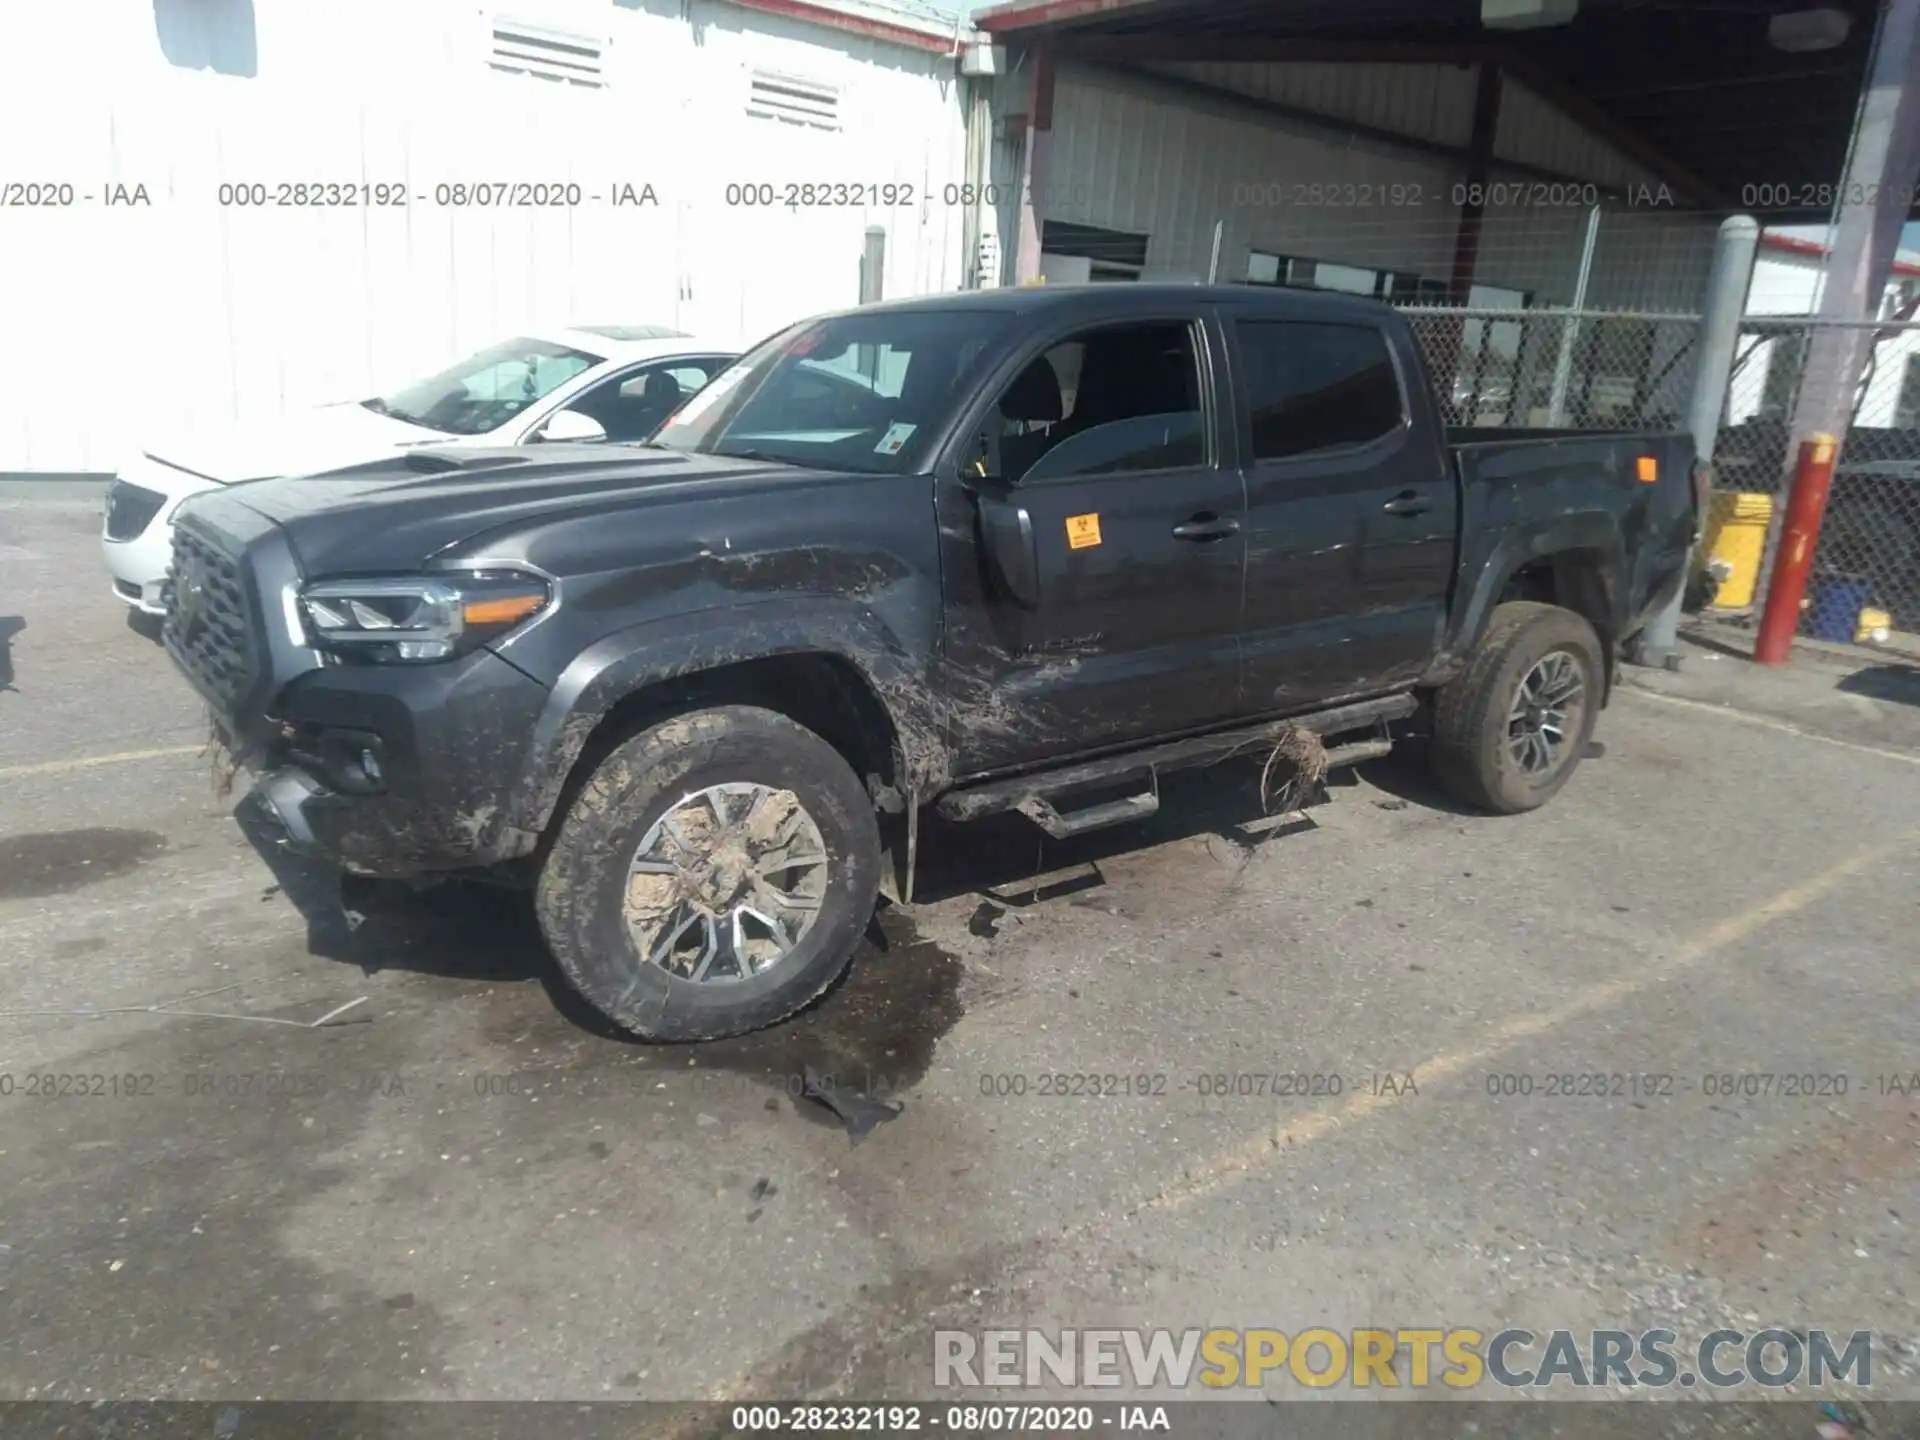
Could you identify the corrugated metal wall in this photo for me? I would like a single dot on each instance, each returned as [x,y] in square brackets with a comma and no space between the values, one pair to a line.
[127,322]
[1432,102]
[1534,132]
[1134,153]
[1642,260]
[1130,155]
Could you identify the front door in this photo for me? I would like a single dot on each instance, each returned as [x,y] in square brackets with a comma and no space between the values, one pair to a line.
[1103,463]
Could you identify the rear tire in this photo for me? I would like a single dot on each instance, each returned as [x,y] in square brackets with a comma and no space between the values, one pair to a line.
[664,841]
[1500,740]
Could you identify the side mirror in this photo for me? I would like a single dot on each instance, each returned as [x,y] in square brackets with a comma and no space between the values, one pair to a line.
[980,463]
[571,426]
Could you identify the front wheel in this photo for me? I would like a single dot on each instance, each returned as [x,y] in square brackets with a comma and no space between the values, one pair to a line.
[712,877]
[1510,730]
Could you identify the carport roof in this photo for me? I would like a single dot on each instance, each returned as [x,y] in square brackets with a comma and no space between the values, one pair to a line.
[1691,88]
[917,24]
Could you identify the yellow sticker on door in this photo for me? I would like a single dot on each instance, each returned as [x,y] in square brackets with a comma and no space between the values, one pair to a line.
[1083,531]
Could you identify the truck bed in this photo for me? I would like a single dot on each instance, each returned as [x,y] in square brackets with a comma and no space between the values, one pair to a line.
[1590,492]
[1482,434]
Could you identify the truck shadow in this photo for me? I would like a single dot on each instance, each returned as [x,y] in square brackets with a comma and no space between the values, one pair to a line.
[1898,683]
[465,930]
[875,1027]
[10,626]
[1011,861]
[1008,859]
[1407,774]
[455,930]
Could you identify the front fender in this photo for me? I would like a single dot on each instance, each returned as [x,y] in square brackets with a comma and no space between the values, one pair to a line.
[611,669]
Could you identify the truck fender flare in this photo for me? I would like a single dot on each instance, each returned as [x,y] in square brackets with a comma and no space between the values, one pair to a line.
[1593,530]
[619,665]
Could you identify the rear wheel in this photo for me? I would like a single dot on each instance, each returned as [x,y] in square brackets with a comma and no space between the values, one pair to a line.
[1510,730]
[712,877]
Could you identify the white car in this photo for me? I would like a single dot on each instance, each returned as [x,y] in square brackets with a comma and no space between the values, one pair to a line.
[590,382]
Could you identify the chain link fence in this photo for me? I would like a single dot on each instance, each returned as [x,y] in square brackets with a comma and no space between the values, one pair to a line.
[1630,370]
[1869,552]
[1583,369]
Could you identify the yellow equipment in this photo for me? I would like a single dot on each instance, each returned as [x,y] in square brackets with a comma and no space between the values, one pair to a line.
[1737,539]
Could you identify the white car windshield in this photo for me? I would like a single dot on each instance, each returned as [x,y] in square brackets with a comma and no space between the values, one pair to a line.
[485,391]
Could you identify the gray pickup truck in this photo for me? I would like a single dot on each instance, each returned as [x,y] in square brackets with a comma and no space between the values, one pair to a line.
[1003,551]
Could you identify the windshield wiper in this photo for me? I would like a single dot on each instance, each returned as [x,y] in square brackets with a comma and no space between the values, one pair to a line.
[381,407]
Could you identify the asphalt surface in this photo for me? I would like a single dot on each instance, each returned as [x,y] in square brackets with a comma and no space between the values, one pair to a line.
[463,1187]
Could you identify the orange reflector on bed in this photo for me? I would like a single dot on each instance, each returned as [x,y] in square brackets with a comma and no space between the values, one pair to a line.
[1648,469]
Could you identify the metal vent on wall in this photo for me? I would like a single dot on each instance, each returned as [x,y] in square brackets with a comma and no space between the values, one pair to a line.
[797,101]
[551,54]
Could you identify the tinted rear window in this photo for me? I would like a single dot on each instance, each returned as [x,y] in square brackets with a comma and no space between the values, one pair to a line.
[1314,386]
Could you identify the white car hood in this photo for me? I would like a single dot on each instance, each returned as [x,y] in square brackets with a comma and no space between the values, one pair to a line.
[327,437]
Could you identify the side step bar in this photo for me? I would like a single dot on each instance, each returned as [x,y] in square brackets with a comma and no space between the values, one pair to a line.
[1039,809]
[1032,795]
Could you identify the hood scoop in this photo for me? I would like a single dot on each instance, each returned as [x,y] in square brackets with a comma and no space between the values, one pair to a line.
[440,462]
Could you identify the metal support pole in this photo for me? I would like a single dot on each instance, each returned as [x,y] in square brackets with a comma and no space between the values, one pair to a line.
[1570,330]
[1213,265]
[873,287]
[1466,238]
[973,220]
[1034,167]
[1806,502]
[1882,162]
[1719,338]
[873,266]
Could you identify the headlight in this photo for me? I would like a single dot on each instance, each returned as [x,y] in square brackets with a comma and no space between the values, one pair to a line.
[419,618]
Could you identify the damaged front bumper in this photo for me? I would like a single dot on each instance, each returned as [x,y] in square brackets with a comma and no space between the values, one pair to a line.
[283,795]
[384,768]
[382,835]
[393,771]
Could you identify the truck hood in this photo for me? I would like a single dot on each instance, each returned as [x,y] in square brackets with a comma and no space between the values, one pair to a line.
[323,438]
[396,515]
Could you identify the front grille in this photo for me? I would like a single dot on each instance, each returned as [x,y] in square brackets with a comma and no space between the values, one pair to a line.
[208,628]
[130,509]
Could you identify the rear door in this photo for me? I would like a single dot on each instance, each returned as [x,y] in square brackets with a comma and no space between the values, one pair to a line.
[1350,512]
[1103,459]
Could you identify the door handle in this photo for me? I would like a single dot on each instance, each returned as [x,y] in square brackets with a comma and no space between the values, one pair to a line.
[1408,502]
[1206,526]
[1008,532]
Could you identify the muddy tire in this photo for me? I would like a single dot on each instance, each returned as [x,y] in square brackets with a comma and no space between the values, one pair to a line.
[712,877]
[1510,730]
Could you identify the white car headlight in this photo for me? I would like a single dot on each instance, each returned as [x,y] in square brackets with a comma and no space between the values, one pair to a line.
[418,618]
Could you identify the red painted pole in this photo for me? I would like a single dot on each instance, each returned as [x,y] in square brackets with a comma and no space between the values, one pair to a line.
[1806,503]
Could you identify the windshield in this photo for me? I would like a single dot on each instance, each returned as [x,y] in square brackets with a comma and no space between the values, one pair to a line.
[485,391]
[861,392]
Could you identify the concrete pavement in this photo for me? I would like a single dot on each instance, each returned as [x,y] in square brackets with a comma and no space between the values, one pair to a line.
[468,1189]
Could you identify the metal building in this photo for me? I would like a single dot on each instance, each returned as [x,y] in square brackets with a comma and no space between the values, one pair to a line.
[234,208]
[1427,149]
